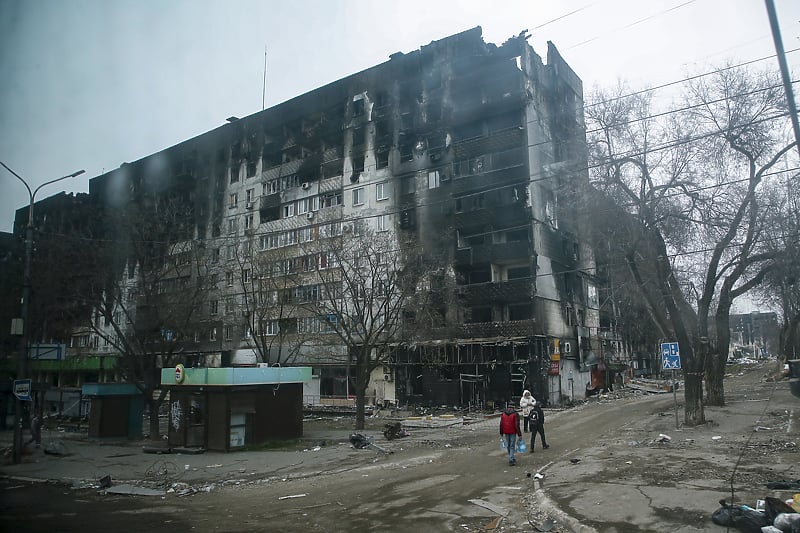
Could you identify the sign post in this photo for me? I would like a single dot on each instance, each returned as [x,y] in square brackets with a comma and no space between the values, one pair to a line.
[671,360]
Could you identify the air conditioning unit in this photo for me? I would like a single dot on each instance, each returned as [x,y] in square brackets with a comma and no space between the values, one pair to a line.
[263,365]
[249,205]
[306,185]
[310,215]
[387,377]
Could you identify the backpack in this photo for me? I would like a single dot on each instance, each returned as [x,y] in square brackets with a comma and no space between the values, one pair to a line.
[534,416]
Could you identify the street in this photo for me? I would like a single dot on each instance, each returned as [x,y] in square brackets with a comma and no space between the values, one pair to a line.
[613,465]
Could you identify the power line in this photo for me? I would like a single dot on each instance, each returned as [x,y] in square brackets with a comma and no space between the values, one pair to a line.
[563,16]
[634,23]
[689,78]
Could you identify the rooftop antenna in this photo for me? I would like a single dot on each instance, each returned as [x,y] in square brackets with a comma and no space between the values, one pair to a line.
[264,87]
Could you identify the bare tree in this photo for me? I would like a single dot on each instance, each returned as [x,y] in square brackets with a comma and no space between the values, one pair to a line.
[676,174]
[364,281]
[268,273]
[145,294]
[741,111]
[781,289]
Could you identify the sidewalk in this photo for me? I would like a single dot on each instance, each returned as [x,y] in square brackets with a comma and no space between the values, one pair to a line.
[73,458]
[644,474]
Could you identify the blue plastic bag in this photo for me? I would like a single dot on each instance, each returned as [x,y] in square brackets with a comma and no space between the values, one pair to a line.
[502,443]
[521,447]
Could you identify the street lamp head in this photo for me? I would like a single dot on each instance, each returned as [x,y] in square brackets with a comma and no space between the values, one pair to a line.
[78,173]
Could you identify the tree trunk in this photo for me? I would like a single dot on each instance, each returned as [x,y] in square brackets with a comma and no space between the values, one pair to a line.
[362,380]
[715,382]
[717,359]
[788,338]
[694,413]
[361,401]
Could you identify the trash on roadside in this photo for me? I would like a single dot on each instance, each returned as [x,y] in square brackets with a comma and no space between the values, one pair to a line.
[770,515]
[105,481]
[664,438]
[546,526]
[394,431]
[359,441]
[493,524]
[574,461]
[784,484]
[537,475]
[741,517]
[56,447]
[293,496]
[716,437]
[787,521]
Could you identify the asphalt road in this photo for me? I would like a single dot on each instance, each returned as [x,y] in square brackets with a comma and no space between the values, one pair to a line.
[607,468]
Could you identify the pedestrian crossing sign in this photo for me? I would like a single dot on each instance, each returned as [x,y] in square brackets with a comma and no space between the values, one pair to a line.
[670,356]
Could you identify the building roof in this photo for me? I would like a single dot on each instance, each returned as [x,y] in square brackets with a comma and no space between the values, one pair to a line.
[273,375]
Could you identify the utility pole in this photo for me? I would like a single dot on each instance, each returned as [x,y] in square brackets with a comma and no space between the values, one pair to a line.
[22,362]
[787,81]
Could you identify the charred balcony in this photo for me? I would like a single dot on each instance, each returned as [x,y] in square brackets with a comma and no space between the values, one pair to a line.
[507,329]
[496,292]
[492,252]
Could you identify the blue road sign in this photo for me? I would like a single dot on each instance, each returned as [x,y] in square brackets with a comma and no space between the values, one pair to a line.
[670,356]
[22,389]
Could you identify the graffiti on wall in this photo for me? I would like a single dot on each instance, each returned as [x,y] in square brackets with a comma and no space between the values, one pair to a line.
[176,415]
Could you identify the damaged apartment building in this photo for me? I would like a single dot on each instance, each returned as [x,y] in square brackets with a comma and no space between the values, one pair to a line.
[473,152]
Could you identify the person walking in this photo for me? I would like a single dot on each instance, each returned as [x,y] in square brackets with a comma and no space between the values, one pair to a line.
[36,431]
[526,403]
[509,430]
[537,425]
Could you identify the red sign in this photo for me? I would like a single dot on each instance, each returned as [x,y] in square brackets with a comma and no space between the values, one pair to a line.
[180,374]
[555,368]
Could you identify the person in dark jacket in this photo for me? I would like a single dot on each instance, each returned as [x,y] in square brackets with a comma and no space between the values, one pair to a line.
[36,431]
[509,430]
[536,418]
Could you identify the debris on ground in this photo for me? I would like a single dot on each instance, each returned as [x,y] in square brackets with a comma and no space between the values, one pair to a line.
[56,447]
[502,511]
[394,431]
[545,526]
[776,515]
[493,524]
[360,441]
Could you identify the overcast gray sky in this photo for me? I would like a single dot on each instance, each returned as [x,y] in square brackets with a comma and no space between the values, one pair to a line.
[90,84]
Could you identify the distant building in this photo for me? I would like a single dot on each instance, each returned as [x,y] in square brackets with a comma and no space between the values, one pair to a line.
[754,334]
[473,152]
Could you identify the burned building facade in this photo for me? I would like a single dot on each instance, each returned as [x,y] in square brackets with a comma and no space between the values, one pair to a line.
[471,155]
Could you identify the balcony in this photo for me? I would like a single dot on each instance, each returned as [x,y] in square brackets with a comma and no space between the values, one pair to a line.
[497,253]
[512,328]
[517,290]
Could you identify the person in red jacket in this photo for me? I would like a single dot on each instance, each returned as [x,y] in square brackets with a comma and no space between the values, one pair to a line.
[509,430]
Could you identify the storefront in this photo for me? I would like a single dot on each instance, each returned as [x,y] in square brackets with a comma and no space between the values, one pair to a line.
[225,409]
[116,410]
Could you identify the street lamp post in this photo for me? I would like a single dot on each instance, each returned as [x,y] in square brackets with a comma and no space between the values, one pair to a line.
[22,363]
